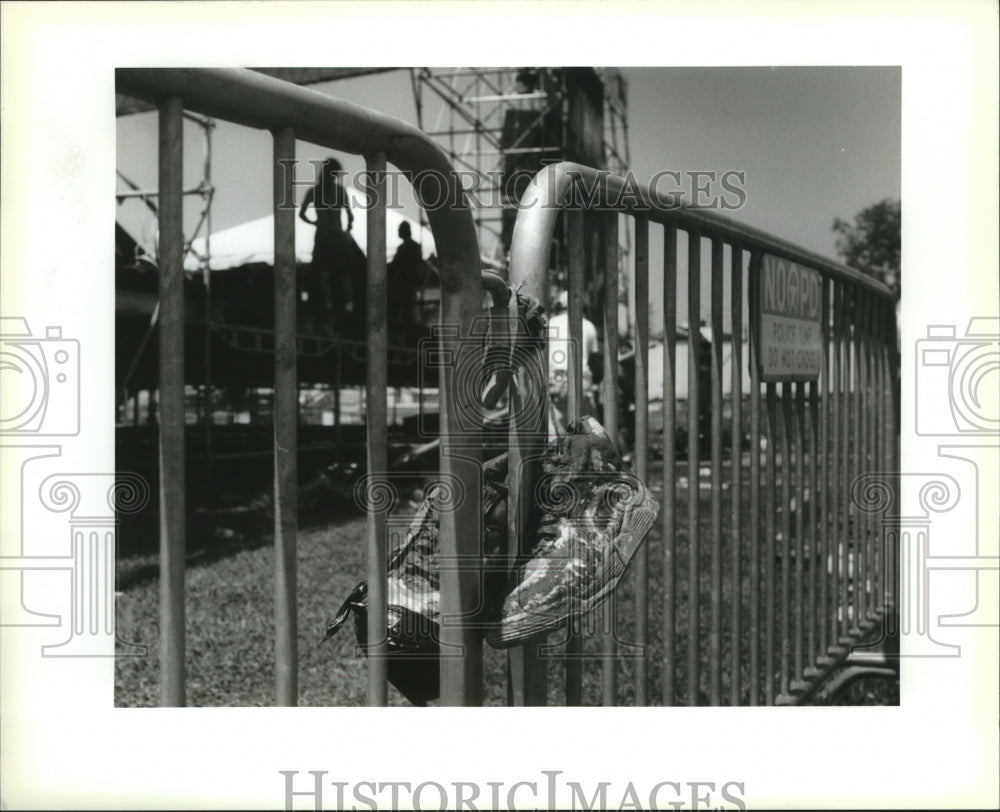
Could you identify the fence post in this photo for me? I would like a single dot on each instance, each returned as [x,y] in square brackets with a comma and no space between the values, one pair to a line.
[836,536]
[375,397]
[715,633]
[610,403]
[694,454]
[771,407]
[171,402]
[786,431]
[755,563]
[573,218]
[736,454]
[846,371]
[669,461]
[528,670]
[286,408]
[461,411]
[641,442]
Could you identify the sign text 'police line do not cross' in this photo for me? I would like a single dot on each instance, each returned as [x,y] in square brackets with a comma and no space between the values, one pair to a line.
[790,299]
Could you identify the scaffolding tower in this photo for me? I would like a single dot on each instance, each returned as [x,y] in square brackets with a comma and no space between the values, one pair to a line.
[500,125]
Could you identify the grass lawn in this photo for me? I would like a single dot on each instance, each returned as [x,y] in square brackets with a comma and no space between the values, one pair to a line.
[230,616]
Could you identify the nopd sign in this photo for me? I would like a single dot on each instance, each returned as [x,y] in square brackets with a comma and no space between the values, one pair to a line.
[790,299]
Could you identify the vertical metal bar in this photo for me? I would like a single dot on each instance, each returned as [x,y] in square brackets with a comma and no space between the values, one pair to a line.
[801,614]
[610,400]
[377,445]
[863,446]
[171,403]
[892,461]
[871,392]
[879,382]
[891,447]
[874,400]
[669,410]
[843,486]
[887,345]
[575,281]
[769,540]
[844,506]
[715,633]
[815,558]
[461,534]
[286,406]
[641,440]
[694,347]
[879,337]
[875,458]
[207,125]
[864,465]
[736,458]
[755,564]
[857,433]
[824,470]
[833,482]
[528,683]
[786,531]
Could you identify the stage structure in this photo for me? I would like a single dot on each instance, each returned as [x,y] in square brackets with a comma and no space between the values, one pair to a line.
[501,125]
[229,346]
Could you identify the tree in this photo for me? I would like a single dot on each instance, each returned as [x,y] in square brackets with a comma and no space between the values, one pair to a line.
[871,242]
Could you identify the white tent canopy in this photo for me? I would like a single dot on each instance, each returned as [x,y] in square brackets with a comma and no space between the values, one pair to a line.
[254,241]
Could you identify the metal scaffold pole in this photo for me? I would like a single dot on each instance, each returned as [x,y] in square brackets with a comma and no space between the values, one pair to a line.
[495,123]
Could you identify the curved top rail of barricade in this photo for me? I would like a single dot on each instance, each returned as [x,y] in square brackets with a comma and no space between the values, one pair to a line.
[851,329]
[255,100]
[550,191]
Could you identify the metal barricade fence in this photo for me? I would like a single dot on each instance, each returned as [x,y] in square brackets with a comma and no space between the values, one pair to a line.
[290,112]
[800,576]
[778,643]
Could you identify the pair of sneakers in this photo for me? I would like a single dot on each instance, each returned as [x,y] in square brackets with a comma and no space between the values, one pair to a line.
[593,514]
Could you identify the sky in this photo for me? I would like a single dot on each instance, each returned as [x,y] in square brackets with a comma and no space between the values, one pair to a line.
[813,144]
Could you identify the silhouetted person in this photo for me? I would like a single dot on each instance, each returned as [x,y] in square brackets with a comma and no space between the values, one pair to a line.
[526,81]
[405,276]
[329,283]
